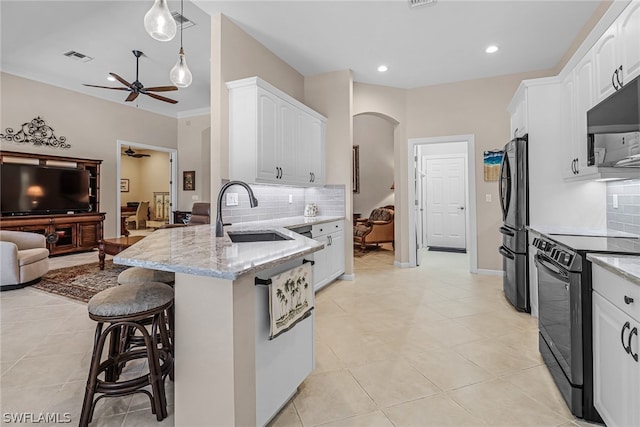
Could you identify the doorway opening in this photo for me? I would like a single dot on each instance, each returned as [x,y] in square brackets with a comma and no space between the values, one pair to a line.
[441,196]
[145,173]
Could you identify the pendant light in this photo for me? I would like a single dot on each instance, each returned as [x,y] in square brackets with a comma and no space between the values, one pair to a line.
[159,23]
[180,74]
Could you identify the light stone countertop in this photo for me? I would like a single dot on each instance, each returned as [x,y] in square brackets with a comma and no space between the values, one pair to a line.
[626,266]
[578,231]
[196,250]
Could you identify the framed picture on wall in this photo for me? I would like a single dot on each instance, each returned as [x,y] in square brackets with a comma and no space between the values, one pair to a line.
[355,169]
[189,180]
[124,185]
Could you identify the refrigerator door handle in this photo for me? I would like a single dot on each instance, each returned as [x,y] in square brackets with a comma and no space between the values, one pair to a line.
[505,184]
[506,231]
[505,253]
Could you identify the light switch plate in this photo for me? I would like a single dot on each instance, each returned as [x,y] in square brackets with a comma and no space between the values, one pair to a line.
[194,197]
[232,199]
[615,201]
[487,197]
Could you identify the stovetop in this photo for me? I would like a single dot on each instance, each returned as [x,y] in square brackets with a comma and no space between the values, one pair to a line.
[626,245]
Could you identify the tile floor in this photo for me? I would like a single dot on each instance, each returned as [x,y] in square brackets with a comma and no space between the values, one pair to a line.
[430,346]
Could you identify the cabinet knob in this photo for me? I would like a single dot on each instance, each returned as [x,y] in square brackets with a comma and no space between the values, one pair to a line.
[628,300]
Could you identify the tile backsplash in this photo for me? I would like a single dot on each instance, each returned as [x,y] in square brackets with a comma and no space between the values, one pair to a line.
[626,217]
[273,202]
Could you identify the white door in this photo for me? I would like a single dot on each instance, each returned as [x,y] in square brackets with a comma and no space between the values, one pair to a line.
[446,202]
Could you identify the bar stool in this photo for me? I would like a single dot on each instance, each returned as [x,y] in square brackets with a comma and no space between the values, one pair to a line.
[128,307]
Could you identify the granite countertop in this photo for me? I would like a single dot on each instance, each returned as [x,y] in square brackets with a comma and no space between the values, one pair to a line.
[578,231]
[196,250]
[626,266]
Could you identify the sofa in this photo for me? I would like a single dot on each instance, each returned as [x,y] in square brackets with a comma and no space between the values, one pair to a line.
[24,259]
[376,229]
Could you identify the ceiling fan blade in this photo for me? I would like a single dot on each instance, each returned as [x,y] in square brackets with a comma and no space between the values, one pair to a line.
[162,98]
[120,79]
[107,87]
[161,88]
[132,96]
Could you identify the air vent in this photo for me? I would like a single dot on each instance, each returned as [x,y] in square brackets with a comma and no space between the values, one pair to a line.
[182,21]
[416,3]
[77,56]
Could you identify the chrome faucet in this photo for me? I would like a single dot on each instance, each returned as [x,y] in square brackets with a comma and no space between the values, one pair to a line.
[252,201]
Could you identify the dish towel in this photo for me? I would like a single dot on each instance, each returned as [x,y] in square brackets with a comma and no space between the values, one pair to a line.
[291,298]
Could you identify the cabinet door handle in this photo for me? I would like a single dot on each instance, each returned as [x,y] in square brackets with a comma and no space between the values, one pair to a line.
[577,166]
[613,80]
[627,325]
[313,177]
[633,332]
[310,177]
[628,300]
[619,77]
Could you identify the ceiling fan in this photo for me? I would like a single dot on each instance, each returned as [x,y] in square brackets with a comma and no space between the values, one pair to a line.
[129,152]
[136,88]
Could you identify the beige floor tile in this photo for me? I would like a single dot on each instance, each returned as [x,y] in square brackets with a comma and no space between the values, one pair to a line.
[146,417]
[359,350]
[330,397]
[538,384]
[110,421]
[436,411]
[74,342]
[489,325]
[448,369]
[374,419]
[448,333]
[41,371]
[392,382]
[28,399]
[287,417]
[499,403]
[495,356]
[326,360]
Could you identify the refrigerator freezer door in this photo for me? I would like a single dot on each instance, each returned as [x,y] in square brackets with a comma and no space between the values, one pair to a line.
[515,282]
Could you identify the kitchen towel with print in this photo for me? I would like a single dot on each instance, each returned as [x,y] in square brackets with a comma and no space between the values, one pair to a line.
[291,298]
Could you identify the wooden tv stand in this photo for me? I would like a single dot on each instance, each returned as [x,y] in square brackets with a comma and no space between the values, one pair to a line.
[64,233]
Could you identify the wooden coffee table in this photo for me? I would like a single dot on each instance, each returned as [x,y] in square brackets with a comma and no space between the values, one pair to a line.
[115,246]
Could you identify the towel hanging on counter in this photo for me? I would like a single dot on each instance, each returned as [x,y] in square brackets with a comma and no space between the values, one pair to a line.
[291,298]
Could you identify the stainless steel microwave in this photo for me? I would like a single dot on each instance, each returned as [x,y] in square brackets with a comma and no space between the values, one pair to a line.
[613,129]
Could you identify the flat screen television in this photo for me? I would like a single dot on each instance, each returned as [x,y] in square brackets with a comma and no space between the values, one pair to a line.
[38,190]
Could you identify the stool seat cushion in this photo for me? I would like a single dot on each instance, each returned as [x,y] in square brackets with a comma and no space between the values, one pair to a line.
[142,275]
[129,300]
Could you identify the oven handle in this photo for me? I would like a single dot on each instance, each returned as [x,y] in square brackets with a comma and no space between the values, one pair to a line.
[506,253]
[542,261]
[506,231]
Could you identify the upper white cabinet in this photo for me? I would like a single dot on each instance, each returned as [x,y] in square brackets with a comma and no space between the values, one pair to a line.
[583,100]
[518,110]
[617,53]
[273,138]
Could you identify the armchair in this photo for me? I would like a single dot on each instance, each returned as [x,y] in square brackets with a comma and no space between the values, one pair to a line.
[140,217]
[200,214]
[378,228]
[24,259]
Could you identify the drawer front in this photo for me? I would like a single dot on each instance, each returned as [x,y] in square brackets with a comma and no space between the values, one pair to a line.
[620,292]
[327,227]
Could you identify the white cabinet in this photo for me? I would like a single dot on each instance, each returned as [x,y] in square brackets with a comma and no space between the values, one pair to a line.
[617,53]
[616,369]
[273,138]
[329,262]
[518,110]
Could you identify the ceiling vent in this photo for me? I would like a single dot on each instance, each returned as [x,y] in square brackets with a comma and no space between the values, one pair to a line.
[182,21]
[77,56]
[417,3]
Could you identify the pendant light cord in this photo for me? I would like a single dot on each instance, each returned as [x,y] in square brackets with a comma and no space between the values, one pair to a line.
[182,20]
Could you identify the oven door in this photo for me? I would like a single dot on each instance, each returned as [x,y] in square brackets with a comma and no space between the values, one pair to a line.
[560,316]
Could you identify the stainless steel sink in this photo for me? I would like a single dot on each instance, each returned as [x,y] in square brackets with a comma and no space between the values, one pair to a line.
[257,236]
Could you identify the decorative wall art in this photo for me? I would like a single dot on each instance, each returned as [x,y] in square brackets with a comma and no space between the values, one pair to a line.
[492,161]
[35,132]
[124,185]
[355,178]
[189,180]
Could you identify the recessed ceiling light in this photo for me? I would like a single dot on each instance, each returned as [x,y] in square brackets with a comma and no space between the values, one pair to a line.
[382,68]
[491,49]
[111,78]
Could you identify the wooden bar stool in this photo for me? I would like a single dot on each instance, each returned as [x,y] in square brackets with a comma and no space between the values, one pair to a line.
[128,307]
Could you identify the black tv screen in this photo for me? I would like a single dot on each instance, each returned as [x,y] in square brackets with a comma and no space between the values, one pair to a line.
[29,189]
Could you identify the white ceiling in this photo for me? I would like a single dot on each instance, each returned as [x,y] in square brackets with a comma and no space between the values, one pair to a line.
[433,44]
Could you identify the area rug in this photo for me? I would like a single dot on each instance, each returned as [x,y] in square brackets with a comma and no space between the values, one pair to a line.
[80,282]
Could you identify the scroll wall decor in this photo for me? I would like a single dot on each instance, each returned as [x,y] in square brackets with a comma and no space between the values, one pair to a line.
[35,132]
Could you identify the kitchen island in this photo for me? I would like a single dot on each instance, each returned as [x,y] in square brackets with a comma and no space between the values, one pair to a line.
[218,347]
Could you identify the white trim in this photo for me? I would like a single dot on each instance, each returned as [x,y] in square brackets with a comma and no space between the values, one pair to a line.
[486,272]
[348,277]
[173,188]
[193,113]
[472,238]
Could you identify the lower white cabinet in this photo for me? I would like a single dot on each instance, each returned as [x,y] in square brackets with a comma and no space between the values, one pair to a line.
[329,262]
[616,369]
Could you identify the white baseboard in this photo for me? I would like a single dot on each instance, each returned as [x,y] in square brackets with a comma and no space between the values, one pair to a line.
[348,277]
[401,264]
[490,272]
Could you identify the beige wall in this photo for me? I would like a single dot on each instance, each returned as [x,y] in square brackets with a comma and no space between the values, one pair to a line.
[194,154]
[130,169]
[236,55]
[374,137]
[92,127]
[331,94]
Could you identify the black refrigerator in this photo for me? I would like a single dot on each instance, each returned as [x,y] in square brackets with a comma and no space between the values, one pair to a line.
[514,202]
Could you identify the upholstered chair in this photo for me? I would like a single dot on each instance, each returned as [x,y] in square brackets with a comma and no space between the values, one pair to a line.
[376,229]
[200,213]
[140,218]
[24,258]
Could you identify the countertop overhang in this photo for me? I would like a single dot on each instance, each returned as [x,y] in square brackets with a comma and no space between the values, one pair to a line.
[196,250]
[626,266]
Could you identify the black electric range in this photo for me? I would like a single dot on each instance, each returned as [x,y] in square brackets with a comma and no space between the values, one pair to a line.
[564,318]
